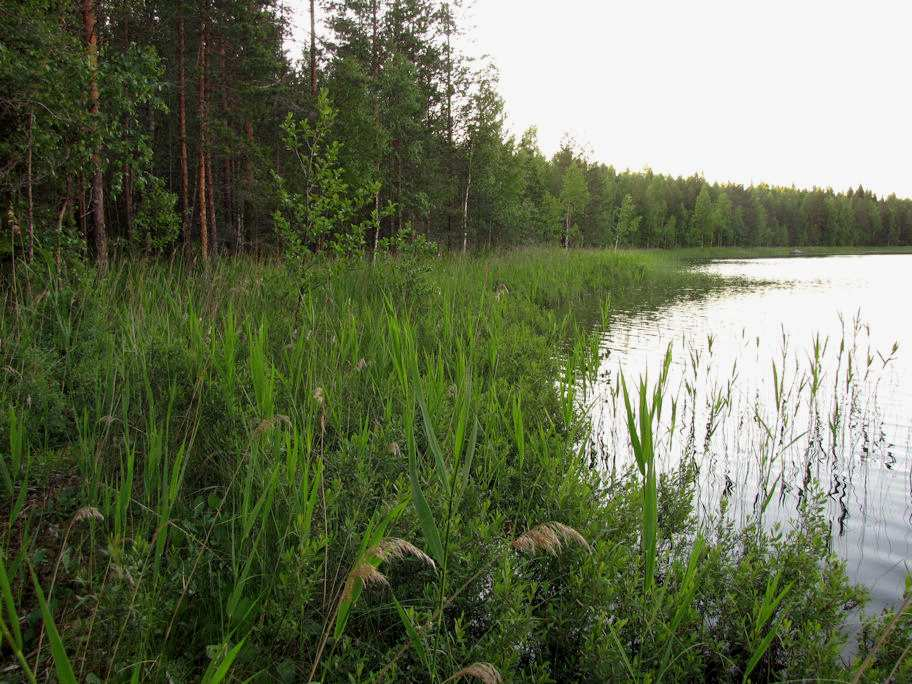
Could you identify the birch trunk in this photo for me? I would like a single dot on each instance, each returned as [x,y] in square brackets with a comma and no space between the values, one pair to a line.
[465,206]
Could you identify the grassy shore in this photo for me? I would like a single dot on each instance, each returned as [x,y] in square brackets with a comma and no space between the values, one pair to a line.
[371,472]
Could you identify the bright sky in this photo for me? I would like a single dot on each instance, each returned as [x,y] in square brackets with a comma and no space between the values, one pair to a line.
[810,92]
[779,91]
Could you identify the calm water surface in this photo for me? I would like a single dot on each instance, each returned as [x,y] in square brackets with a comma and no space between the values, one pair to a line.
[763,416]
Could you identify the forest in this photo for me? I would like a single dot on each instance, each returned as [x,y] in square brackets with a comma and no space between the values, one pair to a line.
[141,126]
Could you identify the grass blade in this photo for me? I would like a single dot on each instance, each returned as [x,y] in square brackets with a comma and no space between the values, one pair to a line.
[221,670]
[425,516]
[62,665]
[415,639]
[433,445]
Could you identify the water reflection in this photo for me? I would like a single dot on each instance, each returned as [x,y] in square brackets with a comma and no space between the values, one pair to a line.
[788,388]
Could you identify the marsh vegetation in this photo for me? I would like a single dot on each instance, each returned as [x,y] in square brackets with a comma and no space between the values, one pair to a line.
[380,473]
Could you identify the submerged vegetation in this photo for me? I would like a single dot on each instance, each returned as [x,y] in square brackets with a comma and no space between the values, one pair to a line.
[375,472]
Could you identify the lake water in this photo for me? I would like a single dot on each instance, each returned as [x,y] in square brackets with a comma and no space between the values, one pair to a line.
[764,416]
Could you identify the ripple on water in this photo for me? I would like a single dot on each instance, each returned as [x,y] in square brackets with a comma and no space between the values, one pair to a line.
[725,344]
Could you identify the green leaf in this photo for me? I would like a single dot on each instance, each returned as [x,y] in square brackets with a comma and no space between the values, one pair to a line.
[434,446]
[62,665]
[220,672]
[11,614]
[632,430]
[469,456]
[425,517]
[621,650]
[762,647]
[414,637]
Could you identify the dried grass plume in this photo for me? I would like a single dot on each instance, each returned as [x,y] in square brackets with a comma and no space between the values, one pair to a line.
[369,576]
[390,549]
[549,537]
[483,672]
[396,549]
[268,424]
[87,513]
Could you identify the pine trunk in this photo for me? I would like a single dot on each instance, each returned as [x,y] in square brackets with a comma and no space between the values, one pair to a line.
[203,139]
[128,199]
[98,208]
[248,186]
[60,217]
[84,226]
[210,196]
[182,129]
[201,182]
[226,158]
[375,77]
[127,171]
[210,177]
[31,204]
[449,116]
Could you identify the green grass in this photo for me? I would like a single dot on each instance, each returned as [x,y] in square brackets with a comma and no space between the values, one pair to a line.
[364,473]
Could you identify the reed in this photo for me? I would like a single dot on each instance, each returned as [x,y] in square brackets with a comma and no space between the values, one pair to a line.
[379,474]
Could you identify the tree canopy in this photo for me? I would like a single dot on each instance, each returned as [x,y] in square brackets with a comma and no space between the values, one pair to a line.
[154,124]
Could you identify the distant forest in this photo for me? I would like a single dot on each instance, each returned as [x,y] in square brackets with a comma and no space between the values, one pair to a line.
[145,125]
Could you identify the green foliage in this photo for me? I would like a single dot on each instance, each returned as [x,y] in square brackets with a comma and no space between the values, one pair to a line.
[628,221]
[407,243]
[408,260]
[240,479]
[157,222]
[51,135]
[45,78]
[326,213]
[641,425]
[574,195]
[703,220]
[131,83]
[723,219]
[883,649]
[9,622]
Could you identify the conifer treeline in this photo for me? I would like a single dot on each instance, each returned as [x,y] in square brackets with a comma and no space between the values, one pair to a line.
[155,123]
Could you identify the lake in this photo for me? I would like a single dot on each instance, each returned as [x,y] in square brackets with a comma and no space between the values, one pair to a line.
[787,378]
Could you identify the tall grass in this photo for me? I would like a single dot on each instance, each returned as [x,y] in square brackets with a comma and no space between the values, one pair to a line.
[376,473]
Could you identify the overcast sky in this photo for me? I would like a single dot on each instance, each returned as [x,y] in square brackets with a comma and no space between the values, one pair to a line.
[804,92]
